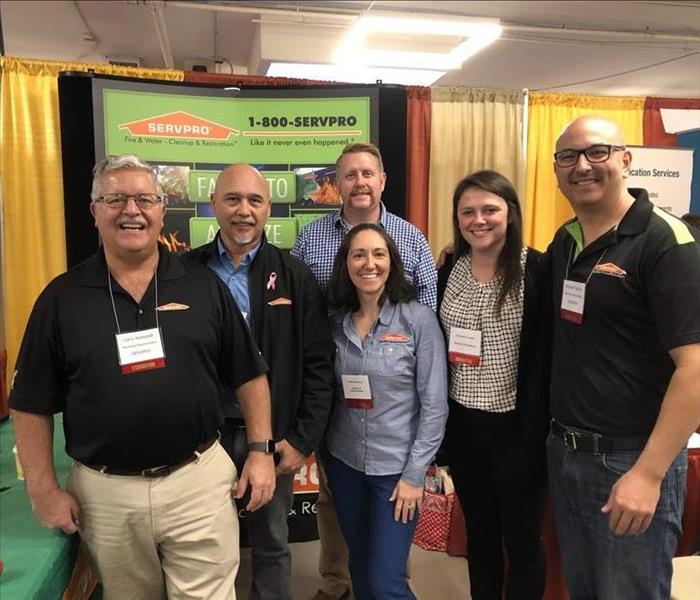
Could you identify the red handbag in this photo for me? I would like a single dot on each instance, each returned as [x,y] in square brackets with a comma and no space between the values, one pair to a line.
[433,529]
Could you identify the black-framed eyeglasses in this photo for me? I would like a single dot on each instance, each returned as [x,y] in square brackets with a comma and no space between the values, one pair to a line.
[597,153]
[144,201]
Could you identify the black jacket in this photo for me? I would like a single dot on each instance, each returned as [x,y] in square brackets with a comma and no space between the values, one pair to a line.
[534,358]
[290,326]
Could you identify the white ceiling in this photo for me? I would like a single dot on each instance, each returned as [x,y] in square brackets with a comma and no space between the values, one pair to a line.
[613,48]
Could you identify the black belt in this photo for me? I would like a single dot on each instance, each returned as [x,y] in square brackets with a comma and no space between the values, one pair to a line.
[163,470]
[580,439]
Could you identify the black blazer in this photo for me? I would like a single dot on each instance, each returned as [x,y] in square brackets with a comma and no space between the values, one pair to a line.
[290,326]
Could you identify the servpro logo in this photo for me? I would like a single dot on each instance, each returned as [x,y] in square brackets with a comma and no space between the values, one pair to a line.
[179,125]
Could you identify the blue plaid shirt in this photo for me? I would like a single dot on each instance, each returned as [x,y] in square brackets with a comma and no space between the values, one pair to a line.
[319,241]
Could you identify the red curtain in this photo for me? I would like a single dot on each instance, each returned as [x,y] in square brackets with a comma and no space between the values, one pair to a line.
[654,132]
[418,156]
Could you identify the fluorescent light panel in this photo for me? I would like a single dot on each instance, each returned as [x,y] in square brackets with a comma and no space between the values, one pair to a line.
[475,33]
[353,74]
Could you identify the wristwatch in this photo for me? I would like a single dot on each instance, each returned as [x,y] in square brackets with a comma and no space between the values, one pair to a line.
[268,447]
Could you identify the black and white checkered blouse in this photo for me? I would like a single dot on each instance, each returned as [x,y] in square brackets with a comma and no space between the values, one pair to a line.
[469,304]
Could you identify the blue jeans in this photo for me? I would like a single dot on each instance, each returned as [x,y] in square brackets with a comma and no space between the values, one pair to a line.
[378,545]
[268,530]
[599,565]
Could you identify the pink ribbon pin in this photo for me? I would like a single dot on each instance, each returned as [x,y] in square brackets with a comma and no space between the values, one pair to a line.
[271,281]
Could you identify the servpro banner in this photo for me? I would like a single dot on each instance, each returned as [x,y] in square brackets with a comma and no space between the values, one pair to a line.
[162,127]
[190,133]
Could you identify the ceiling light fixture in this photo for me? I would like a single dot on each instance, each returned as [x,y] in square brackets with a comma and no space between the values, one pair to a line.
[426,42]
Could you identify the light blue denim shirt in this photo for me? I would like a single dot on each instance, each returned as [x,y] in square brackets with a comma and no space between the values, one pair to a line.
[405,360]
[235,278]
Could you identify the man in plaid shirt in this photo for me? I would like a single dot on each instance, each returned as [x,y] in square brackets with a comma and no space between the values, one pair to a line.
[361,179]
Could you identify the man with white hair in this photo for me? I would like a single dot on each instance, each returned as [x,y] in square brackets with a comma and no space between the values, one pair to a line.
[138,349]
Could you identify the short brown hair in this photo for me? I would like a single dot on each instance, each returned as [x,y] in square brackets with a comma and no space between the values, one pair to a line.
[357,147]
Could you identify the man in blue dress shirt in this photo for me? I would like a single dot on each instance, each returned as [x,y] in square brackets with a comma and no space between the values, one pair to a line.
[285,309]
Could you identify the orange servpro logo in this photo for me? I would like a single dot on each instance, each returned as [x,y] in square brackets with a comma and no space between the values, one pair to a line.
[179,125]
[610,269]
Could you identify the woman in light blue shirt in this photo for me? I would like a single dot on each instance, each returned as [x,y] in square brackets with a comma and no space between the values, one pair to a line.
[389,411]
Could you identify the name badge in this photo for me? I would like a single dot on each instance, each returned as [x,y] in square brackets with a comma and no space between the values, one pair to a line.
[356,391]
[573,297]
[140,351]
[464,347]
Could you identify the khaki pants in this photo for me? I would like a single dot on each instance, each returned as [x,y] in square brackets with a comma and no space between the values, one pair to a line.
[333,557]
[174,536]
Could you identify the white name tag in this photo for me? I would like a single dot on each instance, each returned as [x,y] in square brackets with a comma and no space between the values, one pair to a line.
[573,298]
[465,346]
[140,350]
[356,391]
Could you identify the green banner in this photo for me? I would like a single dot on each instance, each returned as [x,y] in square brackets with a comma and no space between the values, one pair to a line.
[304,219]
[282,186]
[202,230]
[201,185]
[280,231]
[208,129]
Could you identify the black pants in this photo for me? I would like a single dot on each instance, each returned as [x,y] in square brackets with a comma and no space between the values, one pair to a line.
[501,494]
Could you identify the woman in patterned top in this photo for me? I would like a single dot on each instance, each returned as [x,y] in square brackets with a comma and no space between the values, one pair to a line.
[491,303]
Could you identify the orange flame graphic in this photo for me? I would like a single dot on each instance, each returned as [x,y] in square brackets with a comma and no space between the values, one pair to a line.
[173,245]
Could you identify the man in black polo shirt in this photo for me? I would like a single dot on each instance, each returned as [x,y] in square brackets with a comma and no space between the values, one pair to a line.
[284,307]
[138,349]
[624,391]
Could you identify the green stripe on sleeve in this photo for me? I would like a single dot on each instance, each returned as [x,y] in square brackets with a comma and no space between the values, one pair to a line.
[679,228]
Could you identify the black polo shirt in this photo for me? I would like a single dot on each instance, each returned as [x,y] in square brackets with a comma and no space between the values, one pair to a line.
[610,373]
[68,362]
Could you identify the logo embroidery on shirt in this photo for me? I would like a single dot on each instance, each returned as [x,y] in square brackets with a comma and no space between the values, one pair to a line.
[280,302]
[394,337]
[172,306]
[610,269]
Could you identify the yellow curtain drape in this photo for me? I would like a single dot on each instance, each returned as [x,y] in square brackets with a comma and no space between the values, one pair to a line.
[548,113]
[471,129]
[33,244]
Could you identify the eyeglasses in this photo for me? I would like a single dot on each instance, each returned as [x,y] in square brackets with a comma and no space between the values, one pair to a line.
[597,153]
[143,201]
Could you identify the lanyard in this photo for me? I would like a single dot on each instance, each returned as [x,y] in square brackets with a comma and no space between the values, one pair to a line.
[114,308]
[568,263]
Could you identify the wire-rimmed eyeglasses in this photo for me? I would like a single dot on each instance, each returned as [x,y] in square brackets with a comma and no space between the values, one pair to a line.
[143,201]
